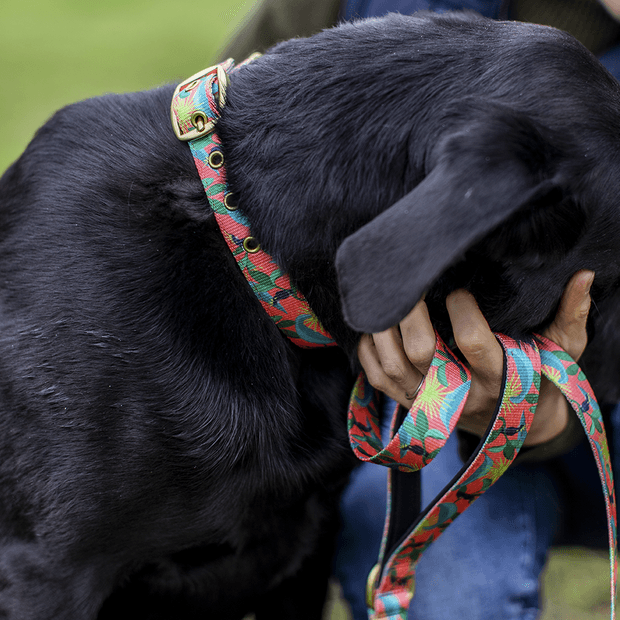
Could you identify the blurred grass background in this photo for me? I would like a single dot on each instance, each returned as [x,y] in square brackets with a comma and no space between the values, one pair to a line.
[54,52]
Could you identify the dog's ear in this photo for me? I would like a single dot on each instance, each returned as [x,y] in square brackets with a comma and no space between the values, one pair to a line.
[479,176]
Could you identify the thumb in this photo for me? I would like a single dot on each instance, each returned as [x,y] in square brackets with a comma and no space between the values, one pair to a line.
[568,329]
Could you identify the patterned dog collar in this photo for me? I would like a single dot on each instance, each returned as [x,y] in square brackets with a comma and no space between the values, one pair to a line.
[195,109]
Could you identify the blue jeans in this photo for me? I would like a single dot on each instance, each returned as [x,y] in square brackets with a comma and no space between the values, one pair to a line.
[485,566]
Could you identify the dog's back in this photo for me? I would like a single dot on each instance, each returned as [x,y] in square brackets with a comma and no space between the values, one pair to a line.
[153,420]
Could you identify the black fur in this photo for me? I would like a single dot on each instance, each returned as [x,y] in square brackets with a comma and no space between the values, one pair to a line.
[164,452]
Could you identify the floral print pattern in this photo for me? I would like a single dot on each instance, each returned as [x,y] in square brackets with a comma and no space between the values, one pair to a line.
[273,288]
[391,587]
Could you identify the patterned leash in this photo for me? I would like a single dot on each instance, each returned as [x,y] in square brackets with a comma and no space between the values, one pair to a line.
[426,428]
[422,433]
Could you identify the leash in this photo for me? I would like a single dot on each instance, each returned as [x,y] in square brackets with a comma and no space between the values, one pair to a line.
[423,430]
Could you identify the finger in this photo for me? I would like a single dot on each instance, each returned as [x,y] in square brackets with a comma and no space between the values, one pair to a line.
[376,375]
[485,359]
[418,337]
[394,361]
[568,329]
[474,337]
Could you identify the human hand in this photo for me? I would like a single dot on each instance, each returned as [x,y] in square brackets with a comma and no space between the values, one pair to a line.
[613,7]
[396,360]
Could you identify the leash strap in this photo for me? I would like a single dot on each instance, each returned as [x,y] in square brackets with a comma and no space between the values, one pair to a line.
[427,425]
[391,583]
[393,579]
[195,110]
[560,368]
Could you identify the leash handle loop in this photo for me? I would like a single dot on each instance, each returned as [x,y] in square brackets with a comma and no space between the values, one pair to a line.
[391,589]
[394,586]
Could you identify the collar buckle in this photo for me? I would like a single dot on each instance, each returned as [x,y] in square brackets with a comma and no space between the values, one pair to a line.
[198,100]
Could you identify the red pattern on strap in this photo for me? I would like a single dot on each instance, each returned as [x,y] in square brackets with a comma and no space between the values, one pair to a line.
[560,368]
[429,422]
[282,301]
[390,593]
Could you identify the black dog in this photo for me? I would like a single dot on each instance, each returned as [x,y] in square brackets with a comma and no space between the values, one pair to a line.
[164,451]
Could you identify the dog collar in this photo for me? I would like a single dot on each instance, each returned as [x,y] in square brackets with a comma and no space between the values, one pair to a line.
[196,106]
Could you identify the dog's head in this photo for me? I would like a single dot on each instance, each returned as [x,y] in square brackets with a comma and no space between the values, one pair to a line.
[508,209]
[457,152]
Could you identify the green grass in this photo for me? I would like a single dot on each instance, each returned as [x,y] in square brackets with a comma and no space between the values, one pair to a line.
[576,585]
[54,52]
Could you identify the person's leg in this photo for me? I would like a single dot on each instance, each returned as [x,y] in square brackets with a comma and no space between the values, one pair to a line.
[363,512]
[487,563]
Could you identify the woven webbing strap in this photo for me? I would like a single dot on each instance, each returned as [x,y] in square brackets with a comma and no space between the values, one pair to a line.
[428,424]
[425,429]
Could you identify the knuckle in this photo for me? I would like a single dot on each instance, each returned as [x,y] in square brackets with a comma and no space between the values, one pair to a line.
[577,347]
[421,352]
[376,379]
[573,342]
[472,344]
[395,372]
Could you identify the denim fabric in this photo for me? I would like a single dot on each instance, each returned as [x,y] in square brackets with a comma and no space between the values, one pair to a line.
[611,60]
[485,566]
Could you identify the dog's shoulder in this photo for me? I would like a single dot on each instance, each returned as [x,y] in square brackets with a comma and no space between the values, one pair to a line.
[113,266]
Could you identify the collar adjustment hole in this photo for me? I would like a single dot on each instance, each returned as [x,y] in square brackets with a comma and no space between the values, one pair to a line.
[230,201]
[251,245]
[216,159]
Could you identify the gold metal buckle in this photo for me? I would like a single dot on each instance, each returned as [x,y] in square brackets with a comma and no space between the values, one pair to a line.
[201,128]
[371,584]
